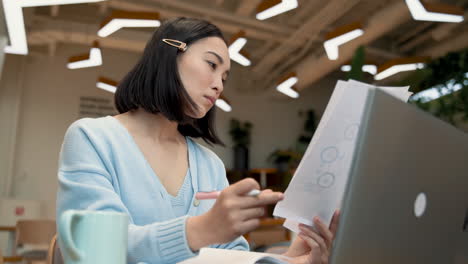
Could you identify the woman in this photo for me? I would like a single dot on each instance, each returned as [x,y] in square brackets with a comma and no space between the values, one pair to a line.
[144,163]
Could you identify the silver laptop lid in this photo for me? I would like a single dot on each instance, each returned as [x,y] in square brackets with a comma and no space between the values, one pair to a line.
[407,163]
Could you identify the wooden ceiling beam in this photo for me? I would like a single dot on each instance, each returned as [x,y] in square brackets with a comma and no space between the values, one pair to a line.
[218,15]
[453,44]
[48,30]
[440,32]
[227,26]
[314,68]
[311,29]
[247,7]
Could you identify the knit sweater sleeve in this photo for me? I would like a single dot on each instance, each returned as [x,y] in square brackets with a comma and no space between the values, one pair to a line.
[85,183]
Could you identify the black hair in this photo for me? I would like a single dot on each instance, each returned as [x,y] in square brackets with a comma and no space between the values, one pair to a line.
[154,82]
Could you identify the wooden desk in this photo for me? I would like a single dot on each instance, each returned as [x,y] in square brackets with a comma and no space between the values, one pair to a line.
[271,230]
[11,239]
[12,259]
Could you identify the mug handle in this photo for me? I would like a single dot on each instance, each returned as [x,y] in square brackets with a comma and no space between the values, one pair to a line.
[65,233]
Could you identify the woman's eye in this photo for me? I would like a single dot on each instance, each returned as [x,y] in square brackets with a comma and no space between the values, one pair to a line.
[212,64]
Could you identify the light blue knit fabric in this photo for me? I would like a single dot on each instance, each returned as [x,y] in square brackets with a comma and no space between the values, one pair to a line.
[101,168]
[181,202]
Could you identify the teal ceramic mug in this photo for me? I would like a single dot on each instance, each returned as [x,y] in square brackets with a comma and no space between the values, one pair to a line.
[93,237]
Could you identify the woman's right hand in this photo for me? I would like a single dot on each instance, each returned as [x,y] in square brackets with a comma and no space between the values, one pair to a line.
[233,214]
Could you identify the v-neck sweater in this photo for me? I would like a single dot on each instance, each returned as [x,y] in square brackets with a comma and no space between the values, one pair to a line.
[181,202]
[102,168]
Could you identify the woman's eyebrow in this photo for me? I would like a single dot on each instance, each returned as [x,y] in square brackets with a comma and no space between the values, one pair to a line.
[217,56]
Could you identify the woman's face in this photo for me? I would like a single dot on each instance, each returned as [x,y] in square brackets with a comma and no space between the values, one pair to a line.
[204,68]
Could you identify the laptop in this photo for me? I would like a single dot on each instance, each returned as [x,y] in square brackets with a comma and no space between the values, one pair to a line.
[407,195]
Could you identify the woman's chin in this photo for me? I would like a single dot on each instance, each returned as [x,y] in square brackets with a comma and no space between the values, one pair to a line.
[200,112]
[198,115]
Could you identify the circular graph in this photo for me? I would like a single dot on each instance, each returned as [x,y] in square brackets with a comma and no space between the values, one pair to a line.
[326,180]
[351,132]
[329,154]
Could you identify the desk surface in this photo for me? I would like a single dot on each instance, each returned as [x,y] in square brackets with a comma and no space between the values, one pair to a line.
[271,221]
[8,228]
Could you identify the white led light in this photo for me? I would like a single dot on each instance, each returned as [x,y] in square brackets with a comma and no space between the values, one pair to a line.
[234,50]
[118,23]
[372,69]
[223,105]
[282,7]
[398,68]
[15,22]
[107,87]
[95,59]
[286,87]
[346,68]
[331,45]
[419,12]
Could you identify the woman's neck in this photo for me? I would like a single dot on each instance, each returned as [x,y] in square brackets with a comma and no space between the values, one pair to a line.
[155,126]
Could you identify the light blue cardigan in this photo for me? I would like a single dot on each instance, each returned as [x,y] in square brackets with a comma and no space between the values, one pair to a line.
[101,168]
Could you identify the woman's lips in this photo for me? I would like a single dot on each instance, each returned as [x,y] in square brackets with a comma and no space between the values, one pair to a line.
[211,99]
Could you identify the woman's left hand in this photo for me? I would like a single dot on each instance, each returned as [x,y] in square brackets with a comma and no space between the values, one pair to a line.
[314,247]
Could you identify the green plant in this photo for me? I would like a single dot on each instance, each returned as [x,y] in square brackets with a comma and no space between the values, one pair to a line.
[447,74]
[290,156]
[284,156]
[286,162]
[309,130]
[240,132]
[356,64]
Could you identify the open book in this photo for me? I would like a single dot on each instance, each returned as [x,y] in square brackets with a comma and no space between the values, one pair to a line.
[319,182]
[227,256]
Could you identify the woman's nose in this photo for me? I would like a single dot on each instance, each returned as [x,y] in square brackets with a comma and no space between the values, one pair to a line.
[219,86]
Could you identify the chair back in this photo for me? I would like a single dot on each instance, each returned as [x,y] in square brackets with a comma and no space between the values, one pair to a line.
[35,231]
[54,256]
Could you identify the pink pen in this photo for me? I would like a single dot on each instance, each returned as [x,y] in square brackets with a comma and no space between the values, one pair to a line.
[215,194]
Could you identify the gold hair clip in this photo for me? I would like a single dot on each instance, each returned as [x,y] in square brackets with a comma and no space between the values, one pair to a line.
[182,46]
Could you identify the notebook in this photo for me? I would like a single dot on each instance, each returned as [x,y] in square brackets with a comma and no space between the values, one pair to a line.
[228,256]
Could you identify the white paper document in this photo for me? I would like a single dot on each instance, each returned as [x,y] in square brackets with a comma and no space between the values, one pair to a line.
[319,182]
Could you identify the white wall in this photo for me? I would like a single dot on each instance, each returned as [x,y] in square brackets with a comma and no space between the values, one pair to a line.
[47,95]
[276,121]
[10,95]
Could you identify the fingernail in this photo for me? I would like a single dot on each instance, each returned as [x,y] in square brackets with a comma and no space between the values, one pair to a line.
[316,219]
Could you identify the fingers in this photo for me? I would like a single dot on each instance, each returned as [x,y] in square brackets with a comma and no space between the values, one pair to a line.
[324,231]
[317,238]
[264,198]
[248,226]
[253,213]
[334,222]
[244,186]
[315,252]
